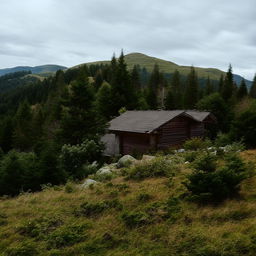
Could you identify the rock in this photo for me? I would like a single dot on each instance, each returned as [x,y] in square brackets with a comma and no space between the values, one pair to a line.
[105,170]
[147,158]
[126,161]
[187,162]
[94,164]
[181,150]
[88,182]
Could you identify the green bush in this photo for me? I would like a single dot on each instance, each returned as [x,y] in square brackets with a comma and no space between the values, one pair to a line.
[143,197]
[68,235]
[222,139]
[196,143]
[215,185]
[75,159]
[135,219]
[37,228]
[95,209]
[190,156]
[26,248]
[205,162]
[147,169]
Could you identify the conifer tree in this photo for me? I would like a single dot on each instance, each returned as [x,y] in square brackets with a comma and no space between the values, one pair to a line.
[253,88]
[104,101]
[79,121]
[170,100]
[221,84]
[228,85]
[209,87]
[176,88]
[191,91]
[22,136]
[242,90]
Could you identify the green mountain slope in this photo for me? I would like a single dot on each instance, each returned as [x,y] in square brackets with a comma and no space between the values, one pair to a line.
[169,67]
[34,70]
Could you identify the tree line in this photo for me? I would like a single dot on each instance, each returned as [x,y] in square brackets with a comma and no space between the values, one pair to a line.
[49,124]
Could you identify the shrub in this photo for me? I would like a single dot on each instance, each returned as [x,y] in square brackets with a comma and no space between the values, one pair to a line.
[156,168]
[215,185]
[26,248]
[190,156]
[205,162]
[222,140]
[135,219]
[75,159]
[94,209]
[68,235]
[196,144]
[39,227]
[143,197]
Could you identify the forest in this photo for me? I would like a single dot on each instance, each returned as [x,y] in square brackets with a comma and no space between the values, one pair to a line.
[50,130]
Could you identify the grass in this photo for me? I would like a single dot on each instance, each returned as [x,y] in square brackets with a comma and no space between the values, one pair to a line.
[131,218]
[165,66]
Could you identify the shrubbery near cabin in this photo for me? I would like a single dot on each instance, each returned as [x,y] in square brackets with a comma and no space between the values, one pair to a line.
[196,144]
[212,183]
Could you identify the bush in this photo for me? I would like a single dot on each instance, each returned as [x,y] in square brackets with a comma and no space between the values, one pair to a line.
[156,168]
[196,143]
[135,219]
[75,159]
[222,140]
[94,209]
[143,197]
[68,235]
[215,185]
[205,162]
[26,248]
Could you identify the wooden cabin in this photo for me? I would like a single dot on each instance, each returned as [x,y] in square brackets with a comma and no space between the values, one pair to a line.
[141,131]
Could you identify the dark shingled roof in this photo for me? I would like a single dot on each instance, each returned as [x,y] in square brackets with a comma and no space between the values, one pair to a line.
[149,120]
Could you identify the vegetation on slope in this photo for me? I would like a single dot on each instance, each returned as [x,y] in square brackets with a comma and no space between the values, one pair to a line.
[127,216]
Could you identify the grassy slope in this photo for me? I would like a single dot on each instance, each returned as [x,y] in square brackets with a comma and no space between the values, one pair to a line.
[227,229]
[166,66]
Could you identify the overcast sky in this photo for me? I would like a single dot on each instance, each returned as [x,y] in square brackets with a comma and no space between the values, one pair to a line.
[206,33]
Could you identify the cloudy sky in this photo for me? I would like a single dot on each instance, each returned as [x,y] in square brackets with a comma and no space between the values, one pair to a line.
[206,33]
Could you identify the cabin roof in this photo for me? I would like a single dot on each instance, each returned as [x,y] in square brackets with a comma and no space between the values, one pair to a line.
[146,121]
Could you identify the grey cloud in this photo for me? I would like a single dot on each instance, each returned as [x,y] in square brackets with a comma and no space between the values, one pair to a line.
[209,33]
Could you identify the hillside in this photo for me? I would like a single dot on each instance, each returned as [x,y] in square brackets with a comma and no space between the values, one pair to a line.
[44,69]
[168,67]
[122,217]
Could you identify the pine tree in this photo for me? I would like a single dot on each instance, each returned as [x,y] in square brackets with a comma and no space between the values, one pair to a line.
[22,136]
[253,88]
[221,84]
[135,79]
[176,88]
[104,101]
[155,83]
[169,100]
[242,90]
[79,121]
[6,139]
[191,91]
[228,86]
[209,87]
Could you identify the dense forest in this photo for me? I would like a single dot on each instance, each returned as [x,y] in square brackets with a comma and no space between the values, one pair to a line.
[50,130]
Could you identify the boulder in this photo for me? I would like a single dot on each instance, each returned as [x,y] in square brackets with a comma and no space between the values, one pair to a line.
[126,161]
[147,158]
[88,182]
[105,170]
[181,150]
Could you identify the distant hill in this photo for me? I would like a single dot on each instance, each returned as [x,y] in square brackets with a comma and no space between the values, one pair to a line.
[169,67]
[44,69]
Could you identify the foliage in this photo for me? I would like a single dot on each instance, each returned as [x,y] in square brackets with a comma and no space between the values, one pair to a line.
[135,219]
[74,159]
[211,183]
[147,169]
[205,162]
[196,143]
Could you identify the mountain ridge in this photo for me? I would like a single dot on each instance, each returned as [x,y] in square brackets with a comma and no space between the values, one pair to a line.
[41,69]
[169,67]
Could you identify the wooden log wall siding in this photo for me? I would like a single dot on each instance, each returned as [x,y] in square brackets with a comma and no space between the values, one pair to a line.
[174,133]
[141,131]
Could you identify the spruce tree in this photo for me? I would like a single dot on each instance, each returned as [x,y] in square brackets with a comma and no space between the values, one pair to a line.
[221,84]
[191,91]
[228,85]
[176,90]
[79,121]
[253,88]
[22,136]
[242,90]
[170,100]
[209,87]
[104,101]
